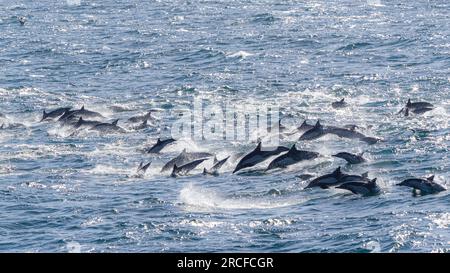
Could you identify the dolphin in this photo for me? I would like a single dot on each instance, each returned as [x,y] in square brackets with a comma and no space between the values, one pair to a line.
[363,188]
[305,126]
[55,113]
[314,133]
[350,134]
[257,156]
[417,107]
[183,158]
[328,180]
[108,127]
[143,168]
[425,186]
[420,104]
[82,112]
[186,168]
[215,168]
[293,156]
[351,158]
[345,178]
[302,128]
[159,145]
[86,123]
[339,104]
[141,118]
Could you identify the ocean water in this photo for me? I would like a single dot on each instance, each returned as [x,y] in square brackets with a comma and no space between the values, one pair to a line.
[61,192]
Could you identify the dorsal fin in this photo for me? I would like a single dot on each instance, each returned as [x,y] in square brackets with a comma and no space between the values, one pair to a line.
[258,148]
[293,149]
[158,141]
[361,153]
[82,107]
[45,114]
[205,171]
[184,151]
[431,178]
[80,120]
[338,170]
[407,112]
[140,165]
[342,100]
[115,122]
[373,181]
[215,159]
[365,175]
[318,125]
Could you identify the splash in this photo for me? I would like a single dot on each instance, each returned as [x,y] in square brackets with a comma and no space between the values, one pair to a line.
[206,199]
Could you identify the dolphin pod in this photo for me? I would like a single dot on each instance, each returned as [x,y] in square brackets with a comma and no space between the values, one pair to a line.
[281,156]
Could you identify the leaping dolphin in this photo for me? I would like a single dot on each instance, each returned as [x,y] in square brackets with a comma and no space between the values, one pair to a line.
[293,156]
[314,133]
[327,180]
[159,145]
[351,158]
[76,114]
[425,186]
[183,158]
[55,113]
[108,127]
[363,188]
[257,156]
[186,168]
[215,168]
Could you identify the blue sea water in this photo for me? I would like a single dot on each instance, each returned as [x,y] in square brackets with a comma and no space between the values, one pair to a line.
[62,193]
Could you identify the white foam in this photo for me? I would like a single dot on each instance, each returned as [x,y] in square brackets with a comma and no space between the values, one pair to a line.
[206,199]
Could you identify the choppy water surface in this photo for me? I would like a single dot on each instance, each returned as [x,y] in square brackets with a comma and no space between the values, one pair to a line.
[60,192]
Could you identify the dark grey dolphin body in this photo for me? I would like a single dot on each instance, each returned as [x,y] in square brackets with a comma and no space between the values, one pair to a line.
[81,123]
[143,168]
[54,113]
[345,178]
[71,115]
[293,156]
[316,132]
[361,187]
[351,158]
[327,180]
[419,107]
[339,104]
[186,168]
[141,126]
[350,134]
[141,118]
[257,156]
[159,145]
[215,168]
[104,127]
[419,104]
[183,158]
[425,186]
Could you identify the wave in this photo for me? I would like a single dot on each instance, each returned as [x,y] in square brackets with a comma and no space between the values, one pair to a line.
[195,197]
